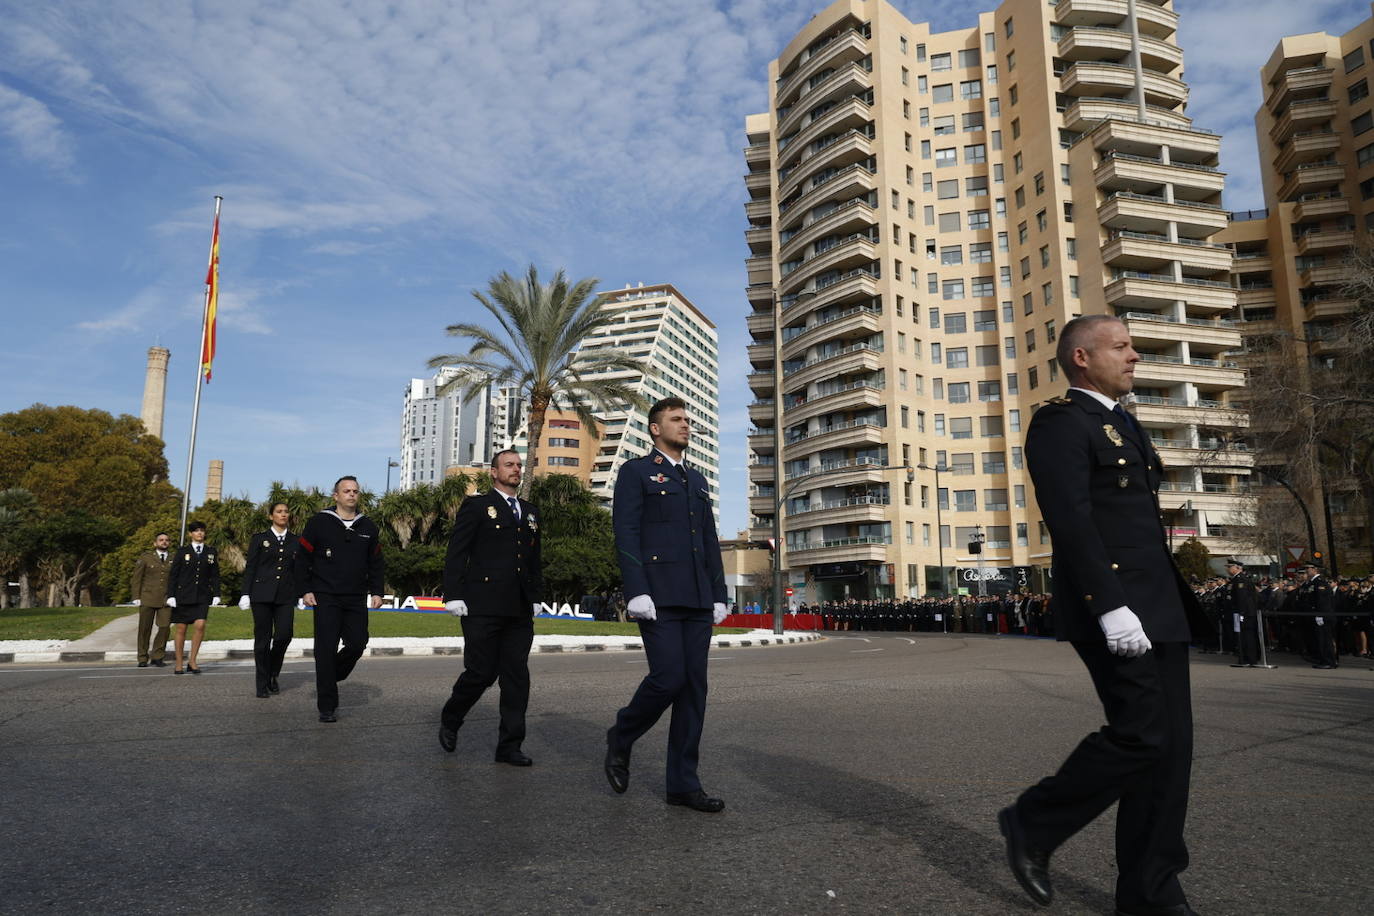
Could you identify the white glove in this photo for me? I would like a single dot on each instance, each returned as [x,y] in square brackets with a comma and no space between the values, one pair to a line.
[641,607]
[214,602]
[534,610]
[456,608]
[1125,635]
[171,602]
[718,613]
[245,603]
[137,603]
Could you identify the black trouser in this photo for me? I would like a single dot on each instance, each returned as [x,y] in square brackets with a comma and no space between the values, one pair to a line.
[273,625]
[1141,759]
[494,648]
[337,617]
[1249,640]
[676,645]
[1326,640]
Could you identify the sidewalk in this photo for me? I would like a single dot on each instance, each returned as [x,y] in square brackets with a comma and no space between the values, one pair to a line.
[114,643]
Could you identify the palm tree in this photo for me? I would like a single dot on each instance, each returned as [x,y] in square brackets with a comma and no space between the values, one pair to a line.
[541,328]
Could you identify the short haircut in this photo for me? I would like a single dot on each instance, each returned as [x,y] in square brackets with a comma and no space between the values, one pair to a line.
[273,508]
[663,405]
[505,451]
[195,526]
[162,534]
[341,480]
[1077,334]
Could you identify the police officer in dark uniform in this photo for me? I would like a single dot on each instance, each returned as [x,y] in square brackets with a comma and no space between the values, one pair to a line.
[269,588]
[669,553]
[1121,601]
[1242,599]
[1315,599]
[340,572]
[492,580]
[192,589]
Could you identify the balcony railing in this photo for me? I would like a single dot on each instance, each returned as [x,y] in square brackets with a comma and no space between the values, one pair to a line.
[843,504]
[1199,322]
[829,466]
[834,428]
[833,354]
[1132,157]
[1157,199]
[1160,237]
[842,542]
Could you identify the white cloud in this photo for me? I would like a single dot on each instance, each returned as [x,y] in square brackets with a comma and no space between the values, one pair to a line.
[35,131]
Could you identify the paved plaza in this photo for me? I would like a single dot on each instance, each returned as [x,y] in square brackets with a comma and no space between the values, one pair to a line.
[862,775]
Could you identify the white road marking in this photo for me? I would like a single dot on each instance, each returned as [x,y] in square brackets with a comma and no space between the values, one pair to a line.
[865,650]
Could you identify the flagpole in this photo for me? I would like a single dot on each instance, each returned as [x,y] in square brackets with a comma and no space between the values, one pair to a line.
[200,372]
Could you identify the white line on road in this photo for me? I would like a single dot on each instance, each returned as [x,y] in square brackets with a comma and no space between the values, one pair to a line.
[860,638]
[904,639]
[865,650]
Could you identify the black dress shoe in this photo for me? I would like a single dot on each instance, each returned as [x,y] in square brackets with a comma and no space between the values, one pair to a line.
[516,759]
[273,686]
[617,766]
[448,738]
[262,693]
[1177,909]
[143,664]
[1030,866]
[177,671]
[328,716]
[158,663]
[1324,667]
[697,801]
[192,669]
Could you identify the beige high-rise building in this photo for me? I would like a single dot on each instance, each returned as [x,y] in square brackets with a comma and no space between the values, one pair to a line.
[926,210]
[1315,132]
[155,390]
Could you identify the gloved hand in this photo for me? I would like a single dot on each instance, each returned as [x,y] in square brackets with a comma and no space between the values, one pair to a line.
[1125,635]
[137,603]
[245,603]
[171,602]
[718,613]
[374,601]
[456,608]
[215,602]
[642,608]
[534,610]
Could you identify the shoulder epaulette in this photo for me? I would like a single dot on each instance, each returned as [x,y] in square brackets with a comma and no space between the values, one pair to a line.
[1060,400]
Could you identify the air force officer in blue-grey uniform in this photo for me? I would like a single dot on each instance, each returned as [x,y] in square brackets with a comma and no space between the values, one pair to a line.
[669,553]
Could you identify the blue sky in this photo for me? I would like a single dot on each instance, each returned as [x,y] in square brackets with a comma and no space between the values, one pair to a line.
[379,161]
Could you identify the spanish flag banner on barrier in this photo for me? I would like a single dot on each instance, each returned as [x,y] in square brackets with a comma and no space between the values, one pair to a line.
[207,344]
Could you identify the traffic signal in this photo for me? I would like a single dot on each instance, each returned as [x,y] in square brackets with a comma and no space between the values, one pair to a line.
[975,547]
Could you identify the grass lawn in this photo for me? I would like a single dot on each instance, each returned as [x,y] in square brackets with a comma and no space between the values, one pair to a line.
[56,622]
[232,623]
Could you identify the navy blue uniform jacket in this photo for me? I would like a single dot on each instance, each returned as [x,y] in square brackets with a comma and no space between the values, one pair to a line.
[1096,483]
[194,577]
[493,562]
[269,575]
[665,534]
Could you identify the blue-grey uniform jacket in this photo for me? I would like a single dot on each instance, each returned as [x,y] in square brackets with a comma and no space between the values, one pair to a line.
[665,534]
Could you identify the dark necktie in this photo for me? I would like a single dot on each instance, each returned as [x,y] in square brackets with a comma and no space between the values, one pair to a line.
[197,550]
[162,557]
[1132,427]
[514,506]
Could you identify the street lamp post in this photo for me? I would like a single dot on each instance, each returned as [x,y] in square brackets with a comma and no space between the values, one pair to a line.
[389,465]
[939,525]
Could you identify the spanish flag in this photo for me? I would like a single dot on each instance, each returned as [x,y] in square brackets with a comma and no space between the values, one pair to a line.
[207,344]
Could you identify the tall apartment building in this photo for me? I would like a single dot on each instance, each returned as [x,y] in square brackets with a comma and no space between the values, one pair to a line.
[659,324]
[1315,131]
[926,210]
[438,433]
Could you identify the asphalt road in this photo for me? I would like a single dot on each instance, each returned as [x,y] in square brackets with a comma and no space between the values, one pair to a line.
[862,775]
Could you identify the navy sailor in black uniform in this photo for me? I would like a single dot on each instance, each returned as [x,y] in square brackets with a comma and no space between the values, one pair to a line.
[669,554]
[340,573]
[1120,600]
[492,580]
[269,588]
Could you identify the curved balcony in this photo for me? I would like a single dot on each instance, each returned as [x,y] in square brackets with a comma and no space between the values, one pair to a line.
[1157,411]
[1325,275]
[1179,454]
[845,49]
[758,211]
[760,352]
[1151,213]
[1084,113]
[851,113]
[1302,83]
[761,441]
[1302,115]
[1100,78]
[1096,43]
[861,284]
[1120,171]
[758,184]
[1210,497]
[851,181]
[850,396]
[759,270]
[1153,328]
[1325,240]
[760,240]
[761,292]
[1310,178]
[1134,291]
[1316,308]
[1153,19]
[1174,370]
[862,357]
[861,321]
[761,410]
[759,472]
[856,250]
[851,434]
[1147,251]
[758,154]
[859,509]
[1187,144]
[1308,146]
[842,473]
[1321,204]
[844,550]
[759,323]
[760,382]
[850,79]
[844,149]
[851,216]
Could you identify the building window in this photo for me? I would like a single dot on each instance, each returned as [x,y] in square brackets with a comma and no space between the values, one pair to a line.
[946,190]
[1011,381]
[975,153]
[965,500]
[985,320]
[946,157]
[959,393]
[949,222]
[944,125]
[970,57]
[983,287]
[1033,377]
[986,355]
[989,391]
[980,253]
[1364,155]
[1359,91]
[940,62]
[972,121]
[1354,60]
[956,357]
[971,89]
[956,322]
[565,461]
[944,92]
[978,219]
[953,289]
[1362,123]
